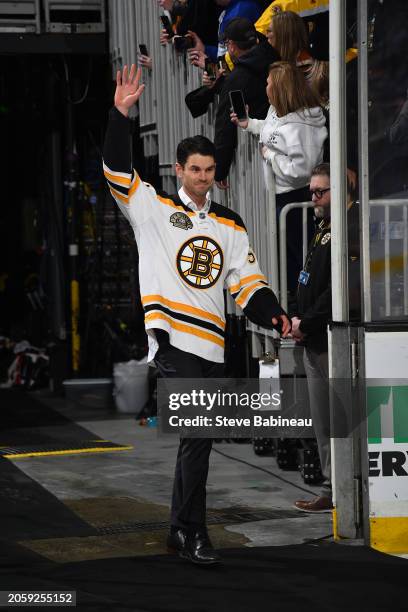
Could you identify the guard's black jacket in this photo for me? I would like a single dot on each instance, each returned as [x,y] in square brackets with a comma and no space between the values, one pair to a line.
[314,300]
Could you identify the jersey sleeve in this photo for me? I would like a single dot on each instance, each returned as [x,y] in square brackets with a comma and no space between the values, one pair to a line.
[248,285]
[135,198]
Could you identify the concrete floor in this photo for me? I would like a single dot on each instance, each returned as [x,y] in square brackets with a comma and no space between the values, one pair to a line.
[134,486]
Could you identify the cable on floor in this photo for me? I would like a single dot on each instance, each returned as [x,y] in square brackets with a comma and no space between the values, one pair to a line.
[258,467]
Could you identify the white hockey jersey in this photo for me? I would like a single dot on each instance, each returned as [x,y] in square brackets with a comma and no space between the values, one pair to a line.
[186,258]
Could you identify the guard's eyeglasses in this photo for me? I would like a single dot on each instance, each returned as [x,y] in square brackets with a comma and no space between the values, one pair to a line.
[318,192]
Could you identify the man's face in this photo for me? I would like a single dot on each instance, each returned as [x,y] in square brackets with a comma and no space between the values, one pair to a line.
[232,49]
[197,175]
[320,186]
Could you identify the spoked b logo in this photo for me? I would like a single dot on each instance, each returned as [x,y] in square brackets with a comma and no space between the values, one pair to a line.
[199,262]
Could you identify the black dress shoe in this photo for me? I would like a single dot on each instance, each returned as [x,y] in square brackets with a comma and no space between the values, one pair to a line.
[176,540]
[198,549]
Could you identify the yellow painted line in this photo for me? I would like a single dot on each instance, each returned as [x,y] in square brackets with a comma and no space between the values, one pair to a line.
[335,525]
[68,452]
[389,534]
[396,265]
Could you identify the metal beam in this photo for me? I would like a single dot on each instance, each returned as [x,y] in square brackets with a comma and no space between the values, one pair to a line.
[363,157]
[41,44]
[338,163]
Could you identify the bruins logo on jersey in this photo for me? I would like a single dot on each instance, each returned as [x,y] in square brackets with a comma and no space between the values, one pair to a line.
[199,262]
[180,219]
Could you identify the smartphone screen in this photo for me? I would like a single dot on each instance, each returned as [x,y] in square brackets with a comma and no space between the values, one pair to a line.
[209,68]
[143,50]
[179,43]
[238,104]
[167,25]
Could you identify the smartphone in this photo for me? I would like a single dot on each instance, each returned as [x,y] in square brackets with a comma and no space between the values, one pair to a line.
[210,69]
[167,25]
[143,50]
[182,43]
[238,104]
[222,65]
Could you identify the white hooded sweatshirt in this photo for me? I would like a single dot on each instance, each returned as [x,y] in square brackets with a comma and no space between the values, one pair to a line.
[295,145]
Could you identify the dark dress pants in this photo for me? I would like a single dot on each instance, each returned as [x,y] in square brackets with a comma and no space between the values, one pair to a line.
[188,508]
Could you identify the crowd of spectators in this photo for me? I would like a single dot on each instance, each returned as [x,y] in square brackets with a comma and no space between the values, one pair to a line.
[277,58]
[264,51]
[275,55]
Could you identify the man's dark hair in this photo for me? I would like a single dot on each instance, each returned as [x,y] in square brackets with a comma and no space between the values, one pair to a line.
[242,32]
[324,169]
[321,169]
[192,145]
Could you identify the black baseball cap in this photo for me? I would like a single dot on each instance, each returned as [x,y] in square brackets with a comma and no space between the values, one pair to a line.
[240,30]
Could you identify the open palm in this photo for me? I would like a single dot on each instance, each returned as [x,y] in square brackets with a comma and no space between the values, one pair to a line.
[128,90]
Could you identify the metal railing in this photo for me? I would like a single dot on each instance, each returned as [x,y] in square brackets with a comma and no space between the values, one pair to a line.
[74,16]
[392,291]
[20,16]
[60,16]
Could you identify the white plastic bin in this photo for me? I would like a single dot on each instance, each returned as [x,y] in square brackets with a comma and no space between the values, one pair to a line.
[131,385]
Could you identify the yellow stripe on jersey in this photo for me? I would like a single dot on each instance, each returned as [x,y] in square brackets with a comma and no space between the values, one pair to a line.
[170,202]
[184,328]
[151,299]
[245,280]
[120,180]
[135,185]
[228,222]
[245,292]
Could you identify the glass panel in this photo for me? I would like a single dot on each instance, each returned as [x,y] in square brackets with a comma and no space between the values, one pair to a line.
[388,156]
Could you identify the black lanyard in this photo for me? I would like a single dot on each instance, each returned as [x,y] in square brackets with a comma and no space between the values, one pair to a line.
[316,241]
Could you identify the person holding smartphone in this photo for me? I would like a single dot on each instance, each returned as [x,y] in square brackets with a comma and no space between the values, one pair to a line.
[190,248]
[143,58]
[252,59]
[292,143]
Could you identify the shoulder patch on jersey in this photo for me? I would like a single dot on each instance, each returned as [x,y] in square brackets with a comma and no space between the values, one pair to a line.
[200,261]
[181,220]
[326,238]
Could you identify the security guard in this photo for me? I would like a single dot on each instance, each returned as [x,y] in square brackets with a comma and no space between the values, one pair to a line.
[314,311]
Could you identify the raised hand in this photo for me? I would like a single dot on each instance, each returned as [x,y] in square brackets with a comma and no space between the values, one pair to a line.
[145,61]
[242,123]
[128,90]
[164,37]
[198,43]
[196,57]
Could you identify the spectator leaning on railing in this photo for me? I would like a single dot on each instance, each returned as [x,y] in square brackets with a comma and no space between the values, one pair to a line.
[292,136]
[252,61]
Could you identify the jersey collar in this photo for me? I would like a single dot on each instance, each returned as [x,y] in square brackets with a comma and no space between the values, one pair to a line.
[192,205]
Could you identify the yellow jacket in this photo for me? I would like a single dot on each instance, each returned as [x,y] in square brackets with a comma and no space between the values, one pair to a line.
[303,7]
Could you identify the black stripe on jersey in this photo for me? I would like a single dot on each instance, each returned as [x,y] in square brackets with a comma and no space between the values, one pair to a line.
[121,188]
[186,318]
[226,213]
